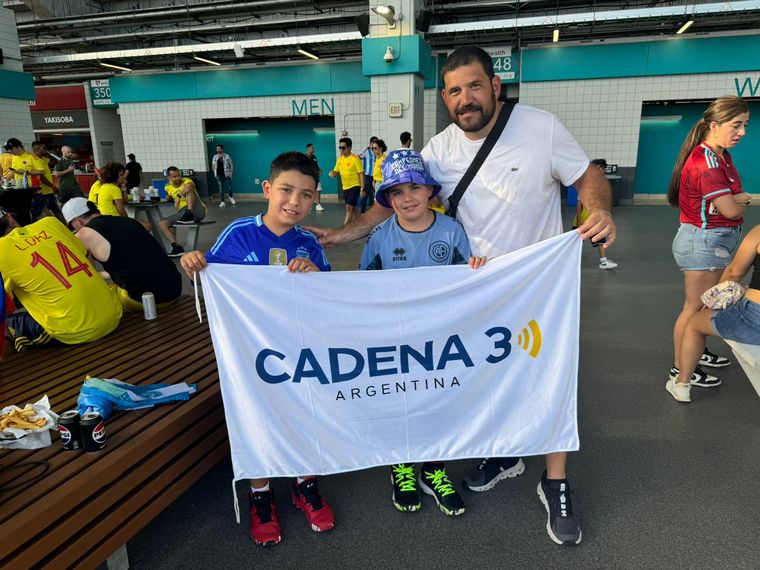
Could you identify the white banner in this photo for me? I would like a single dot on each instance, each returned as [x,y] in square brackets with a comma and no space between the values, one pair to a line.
[329,372]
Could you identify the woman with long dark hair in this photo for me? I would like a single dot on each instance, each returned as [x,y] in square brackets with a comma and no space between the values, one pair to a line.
[706,187]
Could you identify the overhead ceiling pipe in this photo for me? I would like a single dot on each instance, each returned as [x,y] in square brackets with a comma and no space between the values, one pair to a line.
[152,13]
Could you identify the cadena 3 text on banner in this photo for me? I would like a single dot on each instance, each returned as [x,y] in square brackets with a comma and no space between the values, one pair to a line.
[329,372]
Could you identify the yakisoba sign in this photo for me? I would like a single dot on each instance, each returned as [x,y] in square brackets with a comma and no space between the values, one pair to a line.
[334,381]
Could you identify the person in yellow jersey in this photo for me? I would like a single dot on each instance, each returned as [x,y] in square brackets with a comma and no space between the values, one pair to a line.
[5,162]
[92,195]
[45,198]
[66,300]
[23,161]
[110,198]
[351,171]
[190,208]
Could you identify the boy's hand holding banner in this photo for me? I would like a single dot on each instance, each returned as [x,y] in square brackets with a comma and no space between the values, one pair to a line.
[436,363]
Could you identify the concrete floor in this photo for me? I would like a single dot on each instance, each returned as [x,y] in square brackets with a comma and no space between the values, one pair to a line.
[656,484]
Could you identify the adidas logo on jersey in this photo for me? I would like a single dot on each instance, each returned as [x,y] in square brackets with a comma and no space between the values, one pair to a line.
[251,257]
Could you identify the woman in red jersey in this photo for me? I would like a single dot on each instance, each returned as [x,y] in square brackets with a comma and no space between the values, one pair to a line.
[706,187]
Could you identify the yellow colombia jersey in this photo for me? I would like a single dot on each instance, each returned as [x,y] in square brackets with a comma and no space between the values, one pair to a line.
[92,196]
[22,162]
[172,191]
[106,194]
[6,159]
[349,168]
[377,173]
[41,163]
[46,267]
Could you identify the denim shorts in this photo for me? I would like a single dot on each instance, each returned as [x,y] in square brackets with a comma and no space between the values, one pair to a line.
[695,249]
[739,322]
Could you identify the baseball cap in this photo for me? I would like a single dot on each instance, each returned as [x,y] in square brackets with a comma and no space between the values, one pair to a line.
[77,207]
[130,155]
[12,143]
[401,166]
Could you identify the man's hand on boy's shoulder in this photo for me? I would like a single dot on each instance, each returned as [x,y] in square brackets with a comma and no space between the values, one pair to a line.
[192,262]
[302,265]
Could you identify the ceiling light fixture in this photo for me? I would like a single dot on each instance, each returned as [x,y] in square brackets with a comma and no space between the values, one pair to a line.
[555,35]
[685,27]
[307,53]
[387,12]
[204,60]
[114,66]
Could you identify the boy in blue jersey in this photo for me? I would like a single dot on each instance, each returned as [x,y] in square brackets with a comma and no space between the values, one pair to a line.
[275,238]
[416,236]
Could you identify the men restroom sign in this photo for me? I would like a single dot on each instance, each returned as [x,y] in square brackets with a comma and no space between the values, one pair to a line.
[314,106]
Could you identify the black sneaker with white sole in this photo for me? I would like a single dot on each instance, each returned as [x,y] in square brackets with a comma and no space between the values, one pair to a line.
[492,470]
[435,482]
[406,498]
[561,523]
[712,360]
[698,378]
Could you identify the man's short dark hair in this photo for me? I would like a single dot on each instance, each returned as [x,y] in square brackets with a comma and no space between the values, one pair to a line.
[600,162]
[406,137]
[294,160]
[465,56]
[347,141]
[110,172]
[308,145]
[172,169]
[37,143]
[220,146]
[372,139]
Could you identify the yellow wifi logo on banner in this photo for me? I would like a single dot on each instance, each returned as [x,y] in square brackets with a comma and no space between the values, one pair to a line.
[530,339]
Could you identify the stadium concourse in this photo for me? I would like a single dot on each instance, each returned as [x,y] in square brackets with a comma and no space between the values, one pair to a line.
[658,484]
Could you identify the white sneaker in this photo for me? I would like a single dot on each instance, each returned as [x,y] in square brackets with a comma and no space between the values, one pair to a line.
[222,204]
[609,264]
[681,392]
[319,208]
[232,201]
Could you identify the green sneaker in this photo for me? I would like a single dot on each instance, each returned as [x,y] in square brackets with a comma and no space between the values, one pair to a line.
[405,495]
[435,482]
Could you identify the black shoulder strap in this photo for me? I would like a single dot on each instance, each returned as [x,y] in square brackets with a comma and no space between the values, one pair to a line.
[485,150]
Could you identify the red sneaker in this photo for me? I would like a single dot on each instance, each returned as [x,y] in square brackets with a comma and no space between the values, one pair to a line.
[265,528]
[318,513]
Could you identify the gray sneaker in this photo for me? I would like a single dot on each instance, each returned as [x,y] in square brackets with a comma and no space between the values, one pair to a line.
[491,471]
[561,524]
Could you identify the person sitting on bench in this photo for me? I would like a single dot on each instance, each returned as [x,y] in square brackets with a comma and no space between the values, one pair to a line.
[131,257]
[739,322]
[190,207]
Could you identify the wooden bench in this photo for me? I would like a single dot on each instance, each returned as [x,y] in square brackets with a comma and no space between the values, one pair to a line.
[88,505]
[191,243]
[748,356]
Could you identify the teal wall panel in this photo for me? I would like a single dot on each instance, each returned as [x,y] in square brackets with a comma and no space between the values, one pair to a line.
[16,85]
[660,141]
[249,82]
[667,57]
[253,153]
[412,54]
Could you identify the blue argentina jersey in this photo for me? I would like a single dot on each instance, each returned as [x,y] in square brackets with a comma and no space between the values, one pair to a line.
[389,246]
[248,241]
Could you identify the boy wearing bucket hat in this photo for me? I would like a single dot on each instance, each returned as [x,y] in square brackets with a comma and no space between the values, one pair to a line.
[416,236]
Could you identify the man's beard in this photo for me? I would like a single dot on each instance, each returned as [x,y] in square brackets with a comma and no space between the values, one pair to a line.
[485,117]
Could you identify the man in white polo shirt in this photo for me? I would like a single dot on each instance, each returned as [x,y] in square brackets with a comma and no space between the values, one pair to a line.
[512,202]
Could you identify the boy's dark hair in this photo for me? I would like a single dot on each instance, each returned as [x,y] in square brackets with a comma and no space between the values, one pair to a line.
[372,139]
[172,169]
[220,146]
[381,143]
[308,145]
[600,162]
[465,56]
[405,137]
[294,160]
[347,141]
[109,173]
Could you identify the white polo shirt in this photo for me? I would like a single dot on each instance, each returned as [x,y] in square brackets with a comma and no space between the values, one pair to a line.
[514,199]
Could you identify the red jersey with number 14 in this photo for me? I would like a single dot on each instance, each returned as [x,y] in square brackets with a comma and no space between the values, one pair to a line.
[46,267]
[704,177]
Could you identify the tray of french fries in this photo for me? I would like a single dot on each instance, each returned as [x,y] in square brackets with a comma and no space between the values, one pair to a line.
[27,427]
